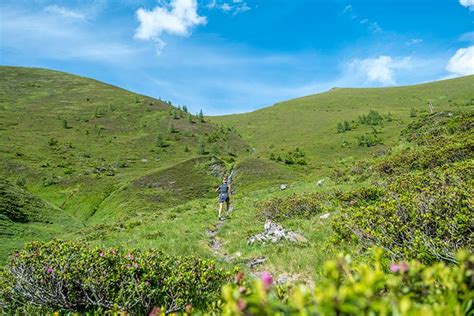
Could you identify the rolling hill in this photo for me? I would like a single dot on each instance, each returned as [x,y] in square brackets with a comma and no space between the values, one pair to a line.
[311,123]
[116,168]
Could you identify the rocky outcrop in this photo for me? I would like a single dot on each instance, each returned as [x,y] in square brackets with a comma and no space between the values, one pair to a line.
[274,233]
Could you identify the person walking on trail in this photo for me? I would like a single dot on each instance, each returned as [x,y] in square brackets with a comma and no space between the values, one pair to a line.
[224,196]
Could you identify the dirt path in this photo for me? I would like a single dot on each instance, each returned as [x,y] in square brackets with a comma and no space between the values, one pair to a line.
[216,244]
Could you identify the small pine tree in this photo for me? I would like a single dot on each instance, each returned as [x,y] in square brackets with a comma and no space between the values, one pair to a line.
[340,128]
[160,142]
[185,109]
[175,115]
[347,126]
[65,125]
[186,149]
[190,118]
[201,149]
[201,116]
[97,112]
[171,128]
[412,112]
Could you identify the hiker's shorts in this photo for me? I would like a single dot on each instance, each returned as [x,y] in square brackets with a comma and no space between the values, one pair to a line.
[223,198]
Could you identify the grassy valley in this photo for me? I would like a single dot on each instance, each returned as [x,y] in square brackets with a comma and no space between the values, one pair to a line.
[344,170]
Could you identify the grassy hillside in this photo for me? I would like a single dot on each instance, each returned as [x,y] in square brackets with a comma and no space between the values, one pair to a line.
[311,123]
[100,154]
[117,168]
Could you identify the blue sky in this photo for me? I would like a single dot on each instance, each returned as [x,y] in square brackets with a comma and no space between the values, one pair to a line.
[230,56]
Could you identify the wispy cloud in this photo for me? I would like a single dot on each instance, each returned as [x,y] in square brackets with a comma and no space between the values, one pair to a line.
[414,41]
[372,26]
[233,7]
[462,63]
[380,69]
[59,38]
[65,12]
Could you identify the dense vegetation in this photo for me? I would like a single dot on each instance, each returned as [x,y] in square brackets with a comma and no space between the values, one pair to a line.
[119,175]
[71,276]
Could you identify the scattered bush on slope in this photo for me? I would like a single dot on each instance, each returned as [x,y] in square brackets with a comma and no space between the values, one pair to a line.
[426,210]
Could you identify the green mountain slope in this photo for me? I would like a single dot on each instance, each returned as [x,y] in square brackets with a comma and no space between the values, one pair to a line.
[311,123]
[87,148]
[116,168]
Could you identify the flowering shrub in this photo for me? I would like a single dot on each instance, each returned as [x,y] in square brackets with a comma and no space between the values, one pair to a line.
[72,276]
[426,209]
[408,288]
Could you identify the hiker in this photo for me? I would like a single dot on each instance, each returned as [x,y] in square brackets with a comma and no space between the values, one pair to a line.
[224,196]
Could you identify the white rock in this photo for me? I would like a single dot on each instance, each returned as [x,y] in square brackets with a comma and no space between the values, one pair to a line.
[325,216]
[320,183]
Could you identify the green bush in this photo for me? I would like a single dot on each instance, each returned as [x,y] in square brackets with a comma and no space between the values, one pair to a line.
[282,208]
[295,157]
[425,215]
[373,118]
[72,276]
[343,127]
[403,288]
[369,140]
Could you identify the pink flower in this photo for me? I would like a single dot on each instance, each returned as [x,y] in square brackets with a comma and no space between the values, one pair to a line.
[403,267]
[135,265]
[49,270]
[394,267]
[241,305]
[399,267]
[101,254]
[127,266]
[267,279]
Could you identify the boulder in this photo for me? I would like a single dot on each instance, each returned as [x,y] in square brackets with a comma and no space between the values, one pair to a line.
[274,233]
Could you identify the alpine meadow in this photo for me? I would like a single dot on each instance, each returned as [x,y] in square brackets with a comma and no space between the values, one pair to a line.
[349,201]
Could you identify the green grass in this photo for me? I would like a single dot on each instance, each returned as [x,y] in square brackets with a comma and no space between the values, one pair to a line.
[310,123]
[104,179]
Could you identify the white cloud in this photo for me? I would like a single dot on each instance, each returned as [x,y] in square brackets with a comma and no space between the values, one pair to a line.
[176,18]
[462,63]
[381,69]
[60,39]
[467,37]
[347,8]
[65,12]
[231,6]
[414,41]
[225,7]
[467,4]
[212,4]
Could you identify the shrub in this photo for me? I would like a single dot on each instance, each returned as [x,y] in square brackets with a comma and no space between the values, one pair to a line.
[160,142]
[343,127]
[201,148]
[373,118]
[72,276]
[295,157]
[293,206]
[403,288]
[426,215]
[369,140]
